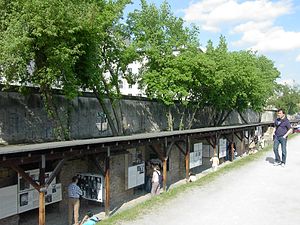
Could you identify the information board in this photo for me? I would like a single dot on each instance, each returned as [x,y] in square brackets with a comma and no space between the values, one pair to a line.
[136,175]
[28,196]
[9,201]
[222,147]
[196,155]
[92,186]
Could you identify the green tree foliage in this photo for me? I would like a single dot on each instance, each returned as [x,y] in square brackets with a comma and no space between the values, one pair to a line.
[67,44]
[160,37]
[286,97]
[239,81]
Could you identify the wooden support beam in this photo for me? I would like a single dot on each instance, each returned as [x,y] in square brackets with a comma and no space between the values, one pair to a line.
[97,164]
[229,139]
[42,212]
[169,149]
[180,148]
[210,142]
[55,171]
[232,151]
[187,157]
[242,143]
[239,137]
[107,183]
[22,173]
[165,174]
[158,152]
[249,131]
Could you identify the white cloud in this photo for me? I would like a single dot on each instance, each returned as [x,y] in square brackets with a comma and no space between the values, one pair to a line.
[212,14]
[268,38]
[253,19]
[298,58]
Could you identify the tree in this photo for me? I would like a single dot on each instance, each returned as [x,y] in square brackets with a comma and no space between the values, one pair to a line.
[160,37]
[239,81]
[286,97]
[62,44]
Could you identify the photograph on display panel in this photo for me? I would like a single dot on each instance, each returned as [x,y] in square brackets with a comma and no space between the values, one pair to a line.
[91,186]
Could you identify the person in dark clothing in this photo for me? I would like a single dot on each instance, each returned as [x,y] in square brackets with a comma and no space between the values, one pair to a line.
[282,129]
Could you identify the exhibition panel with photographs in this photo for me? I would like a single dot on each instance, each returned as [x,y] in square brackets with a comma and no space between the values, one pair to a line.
[23,197]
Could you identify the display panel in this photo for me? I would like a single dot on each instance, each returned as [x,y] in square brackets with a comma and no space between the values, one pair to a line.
[196,155]
[136,175]
[9,201]
[92,186]
[28,196]
[222,148]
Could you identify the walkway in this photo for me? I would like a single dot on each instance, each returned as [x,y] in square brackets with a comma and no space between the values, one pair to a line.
[258,193]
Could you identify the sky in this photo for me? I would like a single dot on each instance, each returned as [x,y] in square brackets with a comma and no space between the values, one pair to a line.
[272,28]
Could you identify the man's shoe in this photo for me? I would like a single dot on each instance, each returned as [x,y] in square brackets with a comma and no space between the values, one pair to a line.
[276,163]
[282,164]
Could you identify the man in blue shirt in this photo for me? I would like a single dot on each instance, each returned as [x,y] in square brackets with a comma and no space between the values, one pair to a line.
[74,193]
[282,129]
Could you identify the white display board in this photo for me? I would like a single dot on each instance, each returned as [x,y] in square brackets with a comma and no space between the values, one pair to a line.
[9,201]
[29,199]
[92,186]
[34,174]
[258,132]
[28,196]
[136,175]
[196,156]
[222,147]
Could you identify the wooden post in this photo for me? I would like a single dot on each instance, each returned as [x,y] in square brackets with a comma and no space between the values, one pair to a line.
[107,183]
[42,213]
[165,174]
[187,158]
[232,151]
[217,145]
[249,131]
[242,143]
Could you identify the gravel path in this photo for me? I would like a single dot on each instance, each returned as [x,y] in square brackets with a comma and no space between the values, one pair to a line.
[256,194]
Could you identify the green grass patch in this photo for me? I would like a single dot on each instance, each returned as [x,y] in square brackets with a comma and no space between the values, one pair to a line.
[152,203]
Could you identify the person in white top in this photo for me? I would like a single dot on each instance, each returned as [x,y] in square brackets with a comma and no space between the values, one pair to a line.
[215,162]
[155,181]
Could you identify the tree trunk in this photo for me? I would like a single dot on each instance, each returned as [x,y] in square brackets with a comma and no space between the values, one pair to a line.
[222,120]
[106,111]
[192,118]
[170,120]
[244,120]
[61,132]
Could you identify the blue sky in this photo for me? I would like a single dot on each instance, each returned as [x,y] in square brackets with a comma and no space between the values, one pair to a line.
[267,26]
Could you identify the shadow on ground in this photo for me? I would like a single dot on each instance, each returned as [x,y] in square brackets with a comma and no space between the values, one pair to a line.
[270,160]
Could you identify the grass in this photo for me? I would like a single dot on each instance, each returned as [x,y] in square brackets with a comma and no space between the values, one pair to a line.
[152,203]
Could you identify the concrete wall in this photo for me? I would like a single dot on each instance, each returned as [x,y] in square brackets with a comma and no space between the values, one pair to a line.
[23,119]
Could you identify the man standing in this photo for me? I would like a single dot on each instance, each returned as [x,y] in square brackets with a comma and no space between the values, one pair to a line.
[282,130]
[74,193]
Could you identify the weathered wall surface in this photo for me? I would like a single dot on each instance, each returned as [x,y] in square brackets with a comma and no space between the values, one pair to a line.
[23,119]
